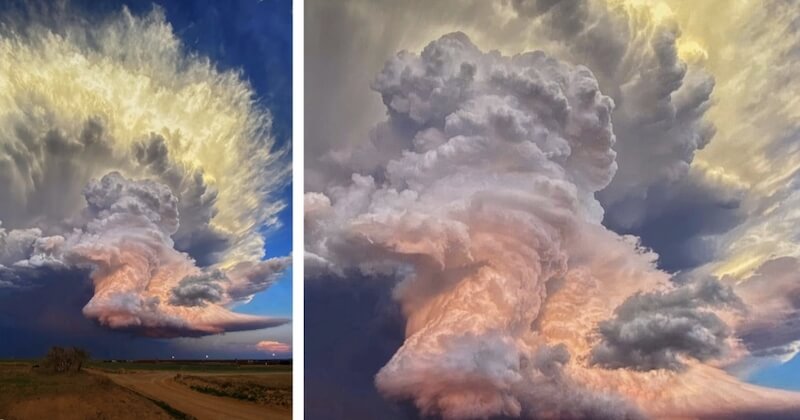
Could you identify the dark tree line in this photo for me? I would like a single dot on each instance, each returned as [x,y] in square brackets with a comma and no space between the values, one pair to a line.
[60,360]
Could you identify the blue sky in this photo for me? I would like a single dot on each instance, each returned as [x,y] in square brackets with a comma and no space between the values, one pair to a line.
[786,376]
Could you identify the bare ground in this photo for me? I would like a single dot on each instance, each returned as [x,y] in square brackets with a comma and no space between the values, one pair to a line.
[161,385]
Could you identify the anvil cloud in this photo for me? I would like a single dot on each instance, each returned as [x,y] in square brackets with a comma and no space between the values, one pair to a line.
[136,162]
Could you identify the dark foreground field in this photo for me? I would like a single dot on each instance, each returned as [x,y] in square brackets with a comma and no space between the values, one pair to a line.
[28,394]
[190,366]
[146,391]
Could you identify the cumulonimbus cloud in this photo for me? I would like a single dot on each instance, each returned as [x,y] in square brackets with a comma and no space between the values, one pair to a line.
[125,155]
[477,197]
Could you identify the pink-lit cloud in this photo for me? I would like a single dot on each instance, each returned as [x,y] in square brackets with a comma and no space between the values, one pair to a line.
[273,347]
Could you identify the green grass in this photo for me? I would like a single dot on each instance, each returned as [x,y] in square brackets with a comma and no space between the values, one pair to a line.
[18,362]
[273,390]
[213,391]
[188,367]
[19,380]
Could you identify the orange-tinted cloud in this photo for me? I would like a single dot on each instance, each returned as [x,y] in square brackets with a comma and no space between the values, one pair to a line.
[273,346]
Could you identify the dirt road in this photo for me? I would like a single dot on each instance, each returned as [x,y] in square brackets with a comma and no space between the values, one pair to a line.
[161,386]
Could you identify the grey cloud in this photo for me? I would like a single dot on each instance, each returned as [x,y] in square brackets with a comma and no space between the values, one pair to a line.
[17,244]
[43,169]
[773,294]
[196,201]
[249,278]
[681,221]
[199,289]
[568,17]
[660,124]
[9,278]
[25,250]
[656,330]
[113,194]
[351,41]
[552,394]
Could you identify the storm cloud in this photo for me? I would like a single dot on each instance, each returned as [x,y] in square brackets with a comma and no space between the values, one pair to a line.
[140,280]
[656,330]
[773,290]
[110,167]
[482,205]
[198,289]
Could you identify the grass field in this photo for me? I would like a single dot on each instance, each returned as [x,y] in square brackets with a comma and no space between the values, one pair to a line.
[27,393]
[274,390]
[210,367]
[146,390]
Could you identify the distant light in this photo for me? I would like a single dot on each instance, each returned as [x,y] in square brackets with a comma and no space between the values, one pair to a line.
[206,356]
[273,354]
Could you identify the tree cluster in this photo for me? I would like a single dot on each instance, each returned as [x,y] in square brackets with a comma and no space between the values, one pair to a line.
[60,360]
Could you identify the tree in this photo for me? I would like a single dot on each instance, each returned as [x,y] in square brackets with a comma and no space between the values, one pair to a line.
[79,356]
[60,360]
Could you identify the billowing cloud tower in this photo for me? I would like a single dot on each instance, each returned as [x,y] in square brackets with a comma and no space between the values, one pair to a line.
[474,201]
[130,159]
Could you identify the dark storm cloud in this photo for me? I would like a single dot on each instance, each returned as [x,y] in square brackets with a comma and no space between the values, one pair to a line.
[196,235]
[199,289]
[567,17]
[345,351]
[47,312]
[773,329]
[555,395]
[655,330]
[659,123]
[681,221]
[125,241]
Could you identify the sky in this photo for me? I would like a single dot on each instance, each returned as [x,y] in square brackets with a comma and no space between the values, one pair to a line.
[659,136]
[146,153]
